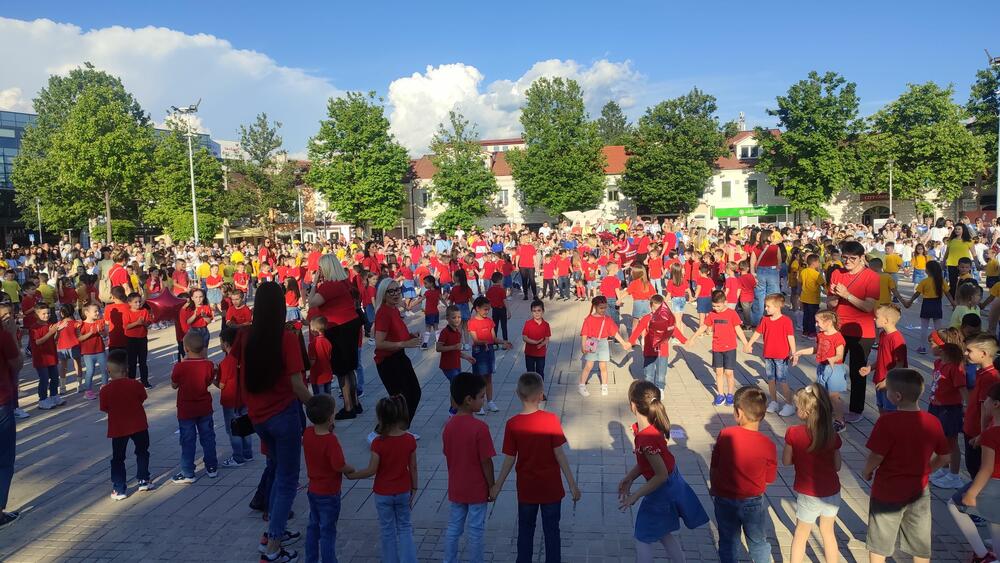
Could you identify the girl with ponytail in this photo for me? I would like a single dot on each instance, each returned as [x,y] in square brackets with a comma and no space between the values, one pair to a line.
[814,449]
[666,497]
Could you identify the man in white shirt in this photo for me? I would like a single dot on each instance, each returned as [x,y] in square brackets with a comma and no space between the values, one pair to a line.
[545,231]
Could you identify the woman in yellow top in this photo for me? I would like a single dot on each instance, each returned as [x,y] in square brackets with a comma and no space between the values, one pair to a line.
[930,289]
[959,246]
[919,263]
[992,268]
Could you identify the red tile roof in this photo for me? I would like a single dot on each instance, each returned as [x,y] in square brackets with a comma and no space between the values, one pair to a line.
[500,165]
[616,159]
[422,168]
[512,141]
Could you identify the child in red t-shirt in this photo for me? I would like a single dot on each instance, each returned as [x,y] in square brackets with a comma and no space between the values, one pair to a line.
[534,440]
[449,345]
[394,464]
[191,378]
[231,400]
[598,328]
[122,399]
[656,329]
[831,372]
[137,320]
[778,334]
[482,331]
[748,287]
[665,496]
[981,352]
[725,326]
[238,314]
[891,354]
[91,338]
[744,462]
[814,449]
[468,451]
[325,467]
[68,347]
[905,445]
[431,297]
[42,339]
[497,297]
[536,334]
[948,394]
[320,350]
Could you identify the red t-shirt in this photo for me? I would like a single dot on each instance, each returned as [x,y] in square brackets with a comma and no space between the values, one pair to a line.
[28,303]
[122,399]
[94,344]
[229,397]
[460,295]
[863,285]
[451,359]
[659,327]
[598,327]
[775,334]
[239,316]
[497,296]
[549,269]
[985,379]
[732,288]
[482,330]
[610,286]
[262,406]
[748,284]
[9,350]
[114,315]
[213,282]
[291,299]
[320,352]
[655,266]
[525,256]
[562,267]
[705,286]
[119,276]
[532,439]
[130,317]
[393,475]
[947,382]
[204,317]
[639,290]
[67,338]
[241,280]
[324,461]
[767,256]
[826,346]
[432,299]
[536,331]
[743,463]
[192,377]
[338,303]
[467,444]
[991,440]
[891,354]
[651,441]
[181,282]
[724,326]
[44,354]
[389,321]
[816,471]
[906,439]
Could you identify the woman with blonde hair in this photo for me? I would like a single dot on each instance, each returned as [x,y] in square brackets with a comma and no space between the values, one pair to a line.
[336,298]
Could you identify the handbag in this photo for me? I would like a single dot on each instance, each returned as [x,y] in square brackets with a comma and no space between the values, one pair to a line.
[590,342]
[241,425]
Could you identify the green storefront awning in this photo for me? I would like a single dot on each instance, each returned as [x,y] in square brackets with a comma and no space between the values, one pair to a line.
[760,211]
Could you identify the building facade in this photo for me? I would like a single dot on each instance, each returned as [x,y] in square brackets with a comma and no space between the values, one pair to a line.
[12,125]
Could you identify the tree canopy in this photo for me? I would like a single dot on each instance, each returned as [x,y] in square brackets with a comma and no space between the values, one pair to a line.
[983,107]
[463,182]
[613,127]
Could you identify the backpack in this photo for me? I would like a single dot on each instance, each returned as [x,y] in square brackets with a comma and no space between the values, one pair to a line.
[104,290]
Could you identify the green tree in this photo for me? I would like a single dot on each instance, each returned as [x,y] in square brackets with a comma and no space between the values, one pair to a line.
[166,194]
[463,181]
[37,173]
[261,140]
[613,127]
[262,185]
[814,156]
[357,163]
[923,133]
[672,155]
[562,167]
[982,106]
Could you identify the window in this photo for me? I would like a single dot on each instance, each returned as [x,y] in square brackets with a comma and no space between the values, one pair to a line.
[754,152]
[752,191]
[613,194]
[727,189]
[9,133]
[424,198]
[744,152]
[503,198]
[777,190]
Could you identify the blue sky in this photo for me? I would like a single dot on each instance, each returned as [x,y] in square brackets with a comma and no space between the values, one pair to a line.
[479,57]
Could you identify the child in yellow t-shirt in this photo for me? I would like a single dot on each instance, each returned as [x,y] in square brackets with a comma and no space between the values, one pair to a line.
[810,282]
[891,262]
[794,265]
[931,290]
[919,262]
[992,268]
[887,285]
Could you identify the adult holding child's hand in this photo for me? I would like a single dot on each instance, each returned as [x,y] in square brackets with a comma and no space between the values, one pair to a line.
[391,340]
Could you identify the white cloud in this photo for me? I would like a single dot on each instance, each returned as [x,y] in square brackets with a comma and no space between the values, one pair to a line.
[163,67]
[422,100]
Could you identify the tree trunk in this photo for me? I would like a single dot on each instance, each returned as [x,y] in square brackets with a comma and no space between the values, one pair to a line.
[107,212]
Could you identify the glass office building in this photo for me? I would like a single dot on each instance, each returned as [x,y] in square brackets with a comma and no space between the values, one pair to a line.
[12,125]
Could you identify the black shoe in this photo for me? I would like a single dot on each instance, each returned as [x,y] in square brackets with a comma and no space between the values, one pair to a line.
[282,556]
[344,414]
[258,506]
[147,385]
[358,409]
[8,517]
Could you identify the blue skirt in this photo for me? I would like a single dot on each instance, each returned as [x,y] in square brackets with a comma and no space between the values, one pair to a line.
[409,291]
[464,309]
[662,510]
[930,308]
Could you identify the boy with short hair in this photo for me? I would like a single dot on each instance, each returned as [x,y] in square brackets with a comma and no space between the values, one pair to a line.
[325,467]
[810,281]
[137,320]
[238,314]
[906,446]
[980,351]
[468,451]
[891,353]
[122,400]
[449,345]
[888,292]
[191,378]
[778,334]
[744,462]
[748,286]
[44,356]
[725,325]
[534,438]
[891,262]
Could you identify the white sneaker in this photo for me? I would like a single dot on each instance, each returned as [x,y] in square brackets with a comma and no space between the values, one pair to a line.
[45,404]
[772,407]
[118,496]
[482,411]
[583,390]
[604,389]
[788,410]
[492,407]
[20,413]
[59,401]
[372,436]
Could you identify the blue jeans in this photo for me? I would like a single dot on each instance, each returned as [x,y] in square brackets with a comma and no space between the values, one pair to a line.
[8,442]
[527,515]
[282,433]
[203,331]
[654,368]
[322,388]
[461,514]
[48,382]
[613,310]
[360,372]
[564,287]
[242,447]
[140,441]
[321,534]
[767,283]
[748,515]
[535,364]
[90,362]
[203,429]
[396,529]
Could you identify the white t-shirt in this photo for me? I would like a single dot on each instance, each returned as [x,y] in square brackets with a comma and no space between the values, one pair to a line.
[938,234]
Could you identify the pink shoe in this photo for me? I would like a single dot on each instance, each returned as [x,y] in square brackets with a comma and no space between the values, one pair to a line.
[90,395]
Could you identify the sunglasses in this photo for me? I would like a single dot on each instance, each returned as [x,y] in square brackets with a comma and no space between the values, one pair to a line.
[851,257]
[393,291]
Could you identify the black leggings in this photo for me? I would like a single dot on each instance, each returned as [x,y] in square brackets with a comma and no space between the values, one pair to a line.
[952,280]
[528,281]
[138,349]
[398,378]
[500,321]
[856,353]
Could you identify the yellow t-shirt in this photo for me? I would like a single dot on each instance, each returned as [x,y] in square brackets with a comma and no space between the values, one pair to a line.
[891,263]
[995,291]
[927,290]
[919,262]
[811,280]
[236,257]
[992,268]
[793,274]
[12,289]
[47,292]
[885,286]
[957,249]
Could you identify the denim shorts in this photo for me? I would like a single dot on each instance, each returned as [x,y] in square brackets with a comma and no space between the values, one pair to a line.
[451,373]
[463,308]
[808,508]
[601,354]
[69,353]
[724,360]
[832,377]
[485,359]
[882,401]
[705,305]
[677,304]
[950,417]
[775,370]
[432,320]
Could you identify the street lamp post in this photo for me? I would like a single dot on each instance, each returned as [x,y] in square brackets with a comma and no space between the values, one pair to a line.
[997,94]
[302,232]
[191,110]
[38,210]
[890,186]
